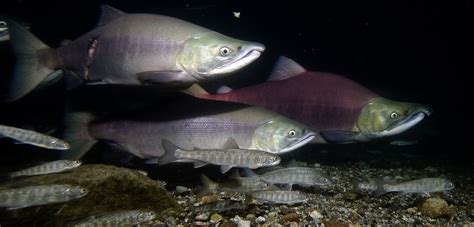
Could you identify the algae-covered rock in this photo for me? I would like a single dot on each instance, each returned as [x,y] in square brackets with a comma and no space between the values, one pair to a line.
[110,189]
[435,207]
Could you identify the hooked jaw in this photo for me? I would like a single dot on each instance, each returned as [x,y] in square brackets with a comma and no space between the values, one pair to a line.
[414,118]
[249,54]
[303,141]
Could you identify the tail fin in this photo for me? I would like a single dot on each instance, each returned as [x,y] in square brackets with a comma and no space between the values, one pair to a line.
[249,173]
[77,135]
[169,155]
[28,72]
[208,185]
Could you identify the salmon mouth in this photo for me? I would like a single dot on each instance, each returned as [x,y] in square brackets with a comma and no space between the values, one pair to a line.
[303,141]
[241,61]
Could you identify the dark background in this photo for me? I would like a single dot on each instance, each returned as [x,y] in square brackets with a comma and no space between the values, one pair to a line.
[407,50]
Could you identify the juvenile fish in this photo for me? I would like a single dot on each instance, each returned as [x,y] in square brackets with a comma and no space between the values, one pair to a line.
[231,156]
[118,218]
[221,206]
[47,168]
[280,197]
[40,195]
[304,176]
[235,185]
[423,186]
[33,138]
[403,142]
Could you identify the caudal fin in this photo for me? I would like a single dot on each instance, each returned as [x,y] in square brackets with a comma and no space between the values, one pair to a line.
[77,135]
[169,155]
[29,71]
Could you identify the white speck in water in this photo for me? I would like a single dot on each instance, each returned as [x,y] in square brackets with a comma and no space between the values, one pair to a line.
[236,14]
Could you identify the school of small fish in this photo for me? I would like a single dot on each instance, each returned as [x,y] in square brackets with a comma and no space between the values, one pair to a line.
[245,128]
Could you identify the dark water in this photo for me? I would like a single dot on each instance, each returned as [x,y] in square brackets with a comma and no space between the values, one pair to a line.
[404,50]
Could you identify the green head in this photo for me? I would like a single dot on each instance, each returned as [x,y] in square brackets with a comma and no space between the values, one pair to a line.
[281,135]
[212,54]
[384,117]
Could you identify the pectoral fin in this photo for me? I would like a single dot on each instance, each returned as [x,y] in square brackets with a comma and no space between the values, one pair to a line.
[340,136]
[224,169]
[161,77]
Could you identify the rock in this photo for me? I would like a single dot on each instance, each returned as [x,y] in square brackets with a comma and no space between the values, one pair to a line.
[272,224]
[351,195]
[435,207]
[240,222]
[315,215]
[110,189]
[291,217]
[412,210]
[250,217]
[202,217]
[210,198]
[272,214]
[215,218]
[228,224]
[200,223]
[294,224]
[181,190]
[170,221]
[260,220]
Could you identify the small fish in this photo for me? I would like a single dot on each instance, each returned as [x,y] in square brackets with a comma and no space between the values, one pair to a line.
[280,197]
[33,138]
[364,186]
[47,168]
[221,206]
[304,176]
[40,195]
[118,218]
[403,142]
[236,185]
[231,156]
[422,186]
[4,35]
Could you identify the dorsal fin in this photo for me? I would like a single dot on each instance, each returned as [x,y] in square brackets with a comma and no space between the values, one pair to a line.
[230,143]
[285,68]
[223,89]
[195,90]
[108,13]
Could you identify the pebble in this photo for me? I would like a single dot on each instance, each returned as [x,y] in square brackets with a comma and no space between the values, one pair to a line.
[260,220]
[294,224]
[272,214]
[228,224]
[291,217]
[250,217]
[412,210]
[200,223]
[170,221]
[202,217]
[316,215]
[215,218]
[240,222]
[181,190]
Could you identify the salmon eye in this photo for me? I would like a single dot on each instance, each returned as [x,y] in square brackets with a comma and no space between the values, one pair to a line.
[224,51]
[3,23]
[292,133]
[394,115]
